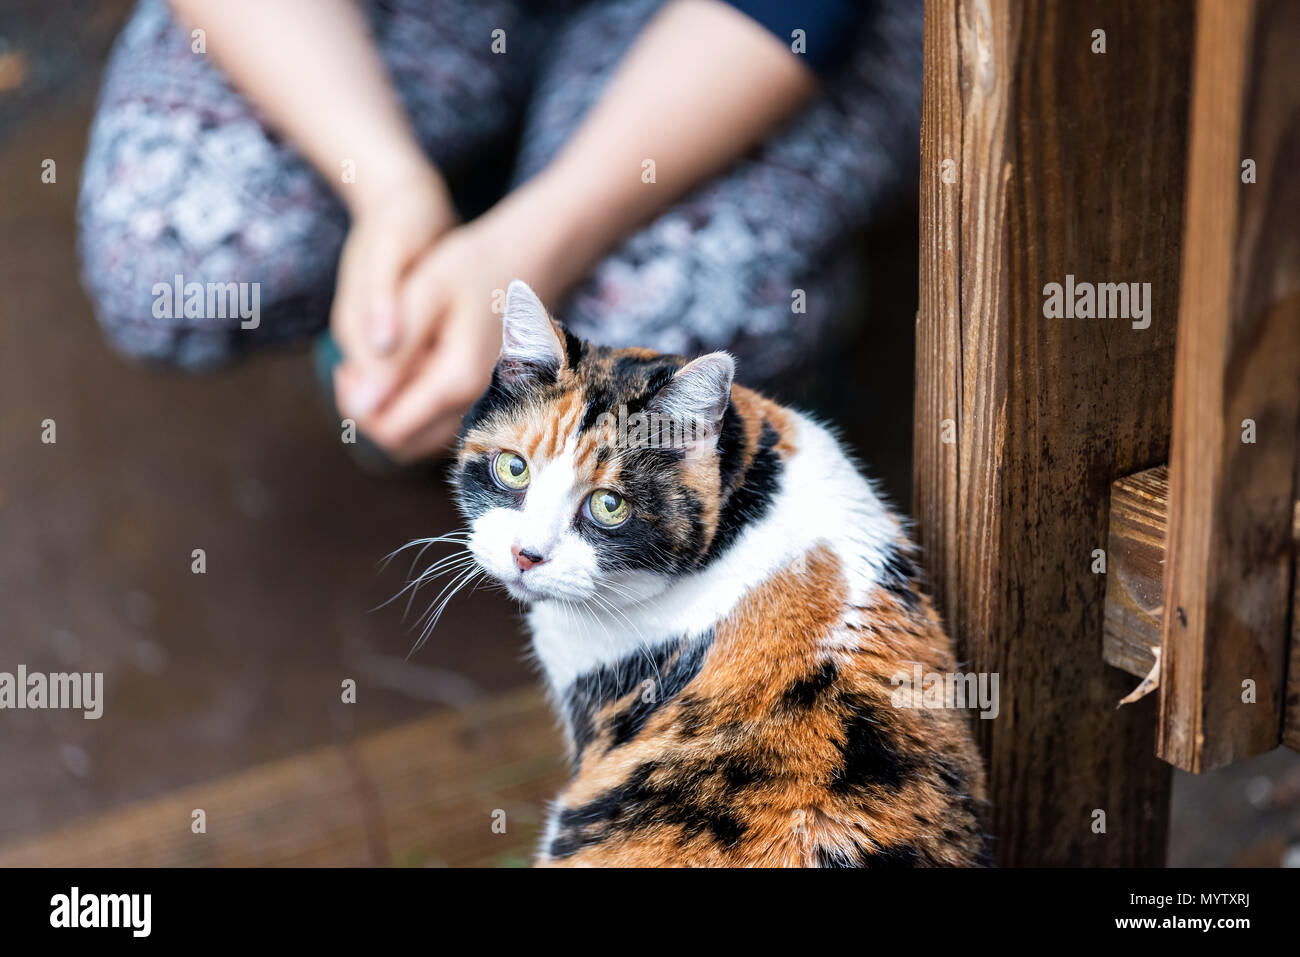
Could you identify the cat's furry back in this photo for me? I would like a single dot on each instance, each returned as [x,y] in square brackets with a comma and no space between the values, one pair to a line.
[723,658]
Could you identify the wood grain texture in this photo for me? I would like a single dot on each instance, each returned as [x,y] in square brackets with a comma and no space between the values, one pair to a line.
[1135,576]
[1230,552]
[1069,162]
[420,794]
[1135,557]
[1291,712]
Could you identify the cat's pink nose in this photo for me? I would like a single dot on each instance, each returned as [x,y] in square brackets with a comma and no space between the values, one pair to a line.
[526,559]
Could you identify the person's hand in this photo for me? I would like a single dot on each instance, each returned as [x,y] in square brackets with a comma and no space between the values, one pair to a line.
[451,337]
[391,229]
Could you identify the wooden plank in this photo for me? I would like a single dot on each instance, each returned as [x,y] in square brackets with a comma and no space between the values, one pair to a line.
[1067,164]
[1230,556]
[1135,557]
[420,794]
[1291,714]
[938,319]
[1135,572]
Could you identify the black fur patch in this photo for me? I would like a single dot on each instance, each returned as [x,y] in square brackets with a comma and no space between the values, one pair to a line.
[754,491]
[672,798]
[632,383]
[898,576]
[574,349]
[477,492]
[872,759]
[600,400]
[680,672]
[670,668]
[803,694]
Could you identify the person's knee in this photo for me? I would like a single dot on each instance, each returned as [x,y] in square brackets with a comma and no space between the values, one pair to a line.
[196,277]
[130,275]
[169,204]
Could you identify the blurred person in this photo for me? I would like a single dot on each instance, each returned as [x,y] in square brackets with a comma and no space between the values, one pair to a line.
[685,176]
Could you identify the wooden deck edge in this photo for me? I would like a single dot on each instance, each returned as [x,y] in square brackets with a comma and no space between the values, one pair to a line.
[457,789]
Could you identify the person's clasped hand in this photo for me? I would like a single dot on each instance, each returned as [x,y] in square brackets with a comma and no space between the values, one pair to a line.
[420,329]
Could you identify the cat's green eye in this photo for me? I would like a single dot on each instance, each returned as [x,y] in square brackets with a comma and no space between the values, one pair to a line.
[511,471]
[606,507]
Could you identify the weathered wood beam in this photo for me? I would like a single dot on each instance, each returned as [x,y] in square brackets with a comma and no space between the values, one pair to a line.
[1042,159]
[1230,556]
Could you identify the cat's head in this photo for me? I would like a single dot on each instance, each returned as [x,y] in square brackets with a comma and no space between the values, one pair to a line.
[591,473]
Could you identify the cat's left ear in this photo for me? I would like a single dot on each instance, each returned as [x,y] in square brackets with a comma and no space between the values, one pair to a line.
[531,343]
[697,396]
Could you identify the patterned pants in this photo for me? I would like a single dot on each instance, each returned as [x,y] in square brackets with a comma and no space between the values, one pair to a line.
[182,177]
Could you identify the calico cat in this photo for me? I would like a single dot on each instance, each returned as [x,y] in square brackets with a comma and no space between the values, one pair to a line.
[718,616]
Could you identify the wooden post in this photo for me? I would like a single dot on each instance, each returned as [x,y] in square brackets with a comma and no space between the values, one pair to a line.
[1230,553]
[1064,162]
[1291,716]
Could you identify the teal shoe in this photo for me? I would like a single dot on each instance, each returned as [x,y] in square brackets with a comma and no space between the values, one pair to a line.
[325,356]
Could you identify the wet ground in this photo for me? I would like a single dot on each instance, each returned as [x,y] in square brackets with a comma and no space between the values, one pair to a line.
[206,674]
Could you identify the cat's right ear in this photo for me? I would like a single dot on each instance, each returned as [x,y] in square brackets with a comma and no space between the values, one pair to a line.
[532,346]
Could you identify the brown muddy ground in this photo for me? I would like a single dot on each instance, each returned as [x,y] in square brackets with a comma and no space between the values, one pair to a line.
[207,674]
